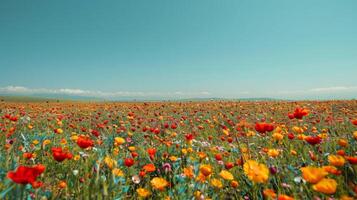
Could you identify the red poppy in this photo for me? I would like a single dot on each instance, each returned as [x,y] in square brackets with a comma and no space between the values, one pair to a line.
[84,142]
[352,160]
[218,156]
[59,155]
[313,140]
[151,152]
[299,113]
[264,127]
[354,122]
[291,136]
[25,175]
[189,137]
[129,162]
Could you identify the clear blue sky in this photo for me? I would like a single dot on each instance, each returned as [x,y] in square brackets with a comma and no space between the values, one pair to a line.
[230,48]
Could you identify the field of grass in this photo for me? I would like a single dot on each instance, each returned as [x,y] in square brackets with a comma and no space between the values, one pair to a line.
[178,150]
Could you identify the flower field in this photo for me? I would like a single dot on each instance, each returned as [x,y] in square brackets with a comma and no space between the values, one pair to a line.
[179,150]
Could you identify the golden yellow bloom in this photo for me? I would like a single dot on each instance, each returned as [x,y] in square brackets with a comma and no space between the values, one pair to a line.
[184,151]
[336,160]
[117,172]
[188,172]
[273,153]
[142,192]
[258,173]
[345,197]
[63,141]
[277,136]
[74,137]
[216,183]
[343,142]
[202,155]
[35,142]
[269,193]
[206,170]
[111,163]
[250,133]
[131,148]
[76,157]
[226,175]
[173,158]
[46,142]
[297,129]
[326,186]
[313,174]
[119,141]
[59,131]
[159,183]
[293,152]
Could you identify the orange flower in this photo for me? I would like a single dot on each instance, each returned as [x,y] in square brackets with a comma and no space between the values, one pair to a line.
[256,172]
[336,160]
[159,183]
[149,168]
[269,193]
[326,186]
[226,175]
[188,172]
[273,153]
[206,170]
[313,174]
[285,197]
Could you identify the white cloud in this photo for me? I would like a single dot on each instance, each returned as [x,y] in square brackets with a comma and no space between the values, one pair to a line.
[20,90]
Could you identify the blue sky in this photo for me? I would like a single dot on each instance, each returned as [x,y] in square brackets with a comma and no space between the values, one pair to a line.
[180,49]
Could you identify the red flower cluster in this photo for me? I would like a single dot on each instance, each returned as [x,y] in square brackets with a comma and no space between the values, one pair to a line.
[129,162]
[313,140]
[354,122]
[27,175]
[264,127]
[84,142]
[59,155]
[299,113]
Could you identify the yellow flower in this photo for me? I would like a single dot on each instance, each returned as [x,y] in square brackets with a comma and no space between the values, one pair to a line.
[111,163]
[46,142]
[345,197]
[336,160]
[326,186]
[184,151]
[206,170]
[142,192]
[216,183]
[59,131]
[159,183]
[119,141]
[131,148]
[173,158]
[74,137]
[188,172]
[273,153]
[35,142]
[63,141]
[278,136]
[256,172]
[76,157]
[117,172]
[313,174]
[226,175]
